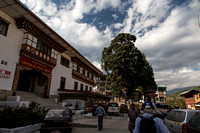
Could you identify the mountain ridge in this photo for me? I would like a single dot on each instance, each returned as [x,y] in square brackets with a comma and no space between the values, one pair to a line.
[179,90]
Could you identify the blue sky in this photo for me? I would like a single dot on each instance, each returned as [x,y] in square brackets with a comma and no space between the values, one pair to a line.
[167,32]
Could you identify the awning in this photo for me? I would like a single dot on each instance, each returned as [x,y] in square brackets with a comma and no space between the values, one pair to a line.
[84,95]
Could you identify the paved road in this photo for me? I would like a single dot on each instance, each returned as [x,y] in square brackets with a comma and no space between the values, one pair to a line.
[112,124]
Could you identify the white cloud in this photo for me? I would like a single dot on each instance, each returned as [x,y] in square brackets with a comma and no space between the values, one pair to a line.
[117,25]
[167,35]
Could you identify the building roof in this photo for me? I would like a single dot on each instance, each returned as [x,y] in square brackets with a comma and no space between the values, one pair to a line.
[161,87]
[16,9]
[189,93]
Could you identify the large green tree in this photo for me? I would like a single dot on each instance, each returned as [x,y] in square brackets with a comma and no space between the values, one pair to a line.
[126,67]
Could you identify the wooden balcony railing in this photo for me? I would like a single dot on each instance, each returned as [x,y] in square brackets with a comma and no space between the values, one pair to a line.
[81,77]
[34,53]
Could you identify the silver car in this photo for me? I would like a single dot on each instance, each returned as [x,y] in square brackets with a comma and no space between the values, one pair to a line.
[113,108]
[177,119]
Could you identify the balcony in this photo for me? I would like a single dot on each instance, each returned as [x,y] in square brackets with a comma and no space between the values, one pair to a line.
[81,77]
[34,53]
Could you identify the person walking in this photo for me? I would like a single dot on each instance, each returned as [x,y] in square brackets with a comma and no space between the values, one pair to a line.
[148,123]
[122,109]
[100,112]
[132,115]
[148,103]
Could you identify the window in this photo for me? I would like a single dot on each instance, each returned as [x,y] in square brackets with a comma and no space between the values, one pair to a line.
[43,48]
[78,68]
[83,72]
[53,53]
[86,88]
[75,85]
[64,62]
[92,76]
[178,116]
[90,88]
[88,74]
[62,83]
[161,99]
[30,40]
[3,26]
[194,122]
[81,88]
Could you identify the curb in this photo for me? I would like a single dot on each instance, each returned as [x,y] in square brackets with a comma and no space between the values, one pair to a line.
[25,129]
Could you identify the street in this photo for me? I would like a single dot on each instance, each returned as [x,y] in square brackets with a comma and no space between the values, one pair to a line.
[112,124]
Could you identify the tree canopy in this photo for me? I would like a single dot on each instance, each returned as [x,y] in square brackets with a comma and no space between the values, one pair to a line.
[126,66]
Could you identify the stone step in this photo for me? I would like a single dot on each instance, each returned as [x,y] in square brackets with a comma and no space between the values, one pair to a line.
[48,103]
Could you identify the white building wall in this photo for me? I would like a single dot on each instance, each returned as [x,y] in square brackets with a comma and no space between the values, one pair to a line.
[62,71]
[10,46]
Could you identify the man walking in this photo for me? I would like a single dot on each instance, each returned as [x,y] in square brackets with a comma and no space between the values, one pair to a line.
[100,112]
[132,115]
[149,123]
[148,103]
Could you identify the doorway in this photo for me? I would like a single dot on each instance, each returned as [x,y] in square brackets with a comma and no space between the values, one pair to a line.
[32,81]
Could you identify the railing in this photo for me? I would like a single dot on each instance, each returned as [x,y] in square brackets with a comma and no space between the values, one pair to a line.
[79,76]
[36,54]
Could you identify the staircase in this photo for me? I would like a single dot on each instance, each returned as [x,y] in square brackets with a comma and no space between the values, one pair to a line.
[48,103]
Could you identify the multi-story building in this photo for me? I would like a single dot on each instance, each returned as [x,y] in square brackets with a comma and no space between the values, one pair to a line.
[34,58]
[161,94]
[101,85]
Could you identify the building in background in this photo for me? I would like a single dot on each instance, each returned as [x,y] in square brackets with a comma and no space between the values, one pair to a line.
[101,85]
[34,58]
[161,94]
[189,99]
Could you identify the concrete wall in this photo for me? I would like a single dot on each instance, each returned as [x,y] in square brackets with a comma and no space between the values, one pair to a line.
[10,46]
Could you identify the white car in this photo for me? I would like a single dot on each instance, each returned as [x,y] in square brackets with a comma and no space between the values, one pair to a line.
[113,108]
[177,120]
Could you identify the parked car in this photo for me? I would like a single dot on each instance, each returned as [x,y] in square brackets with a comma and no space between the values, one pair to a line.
[194,124]
[57,121]
[113,108]
[125,107]
[177,120]
[162,109]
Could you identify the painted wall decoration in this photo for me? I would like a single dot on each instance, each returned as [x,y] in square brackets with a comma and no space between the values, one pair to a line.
[4,73]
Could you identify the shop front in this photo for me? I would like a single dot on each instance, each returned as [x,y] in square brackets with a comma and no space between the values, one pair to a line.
[32,76]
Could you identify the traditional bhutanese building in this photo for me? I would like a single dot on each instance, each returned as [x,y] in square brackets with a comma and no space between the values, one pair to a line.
[34,58]
[161,94]
[191,98]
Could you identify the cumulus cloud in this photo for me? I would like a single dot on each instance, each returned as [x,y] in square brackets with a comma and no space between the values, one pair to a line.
[167,34]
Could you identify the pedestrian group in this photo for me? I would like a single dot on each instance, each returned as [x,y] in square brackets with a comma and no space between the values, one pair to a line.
[147,123]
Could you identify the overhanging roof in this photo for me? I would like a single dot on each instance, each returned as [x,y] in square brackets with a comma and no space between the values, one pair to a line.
[189,93]
[15,9]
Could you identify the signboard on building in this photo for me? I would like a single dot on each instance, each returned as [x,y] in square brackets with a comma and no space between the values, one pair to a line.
[4,73]
[35,64]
